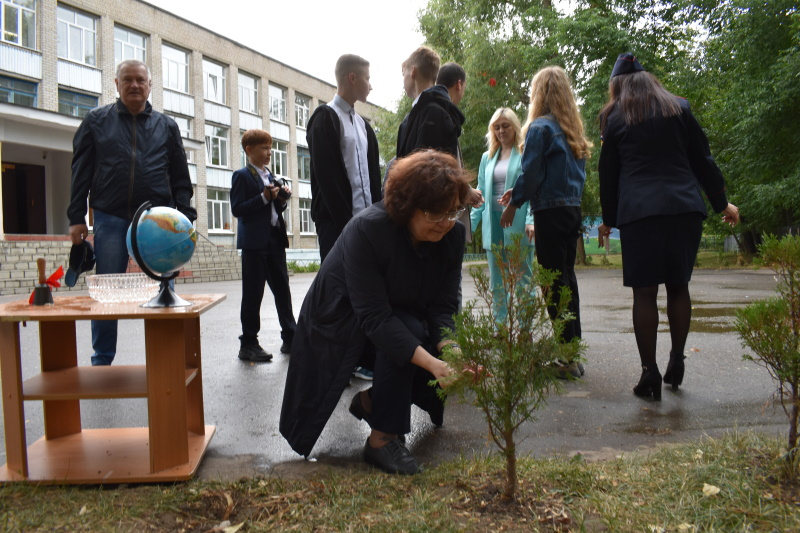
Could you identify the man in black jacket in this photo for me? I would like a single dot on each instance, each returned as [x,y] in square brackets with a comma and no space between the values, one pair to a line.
[345,169]
[123,155]
[434,121]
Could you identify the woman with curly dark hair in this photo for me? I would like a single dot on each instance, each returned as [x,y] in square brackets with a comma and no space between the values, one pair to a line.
[390,283]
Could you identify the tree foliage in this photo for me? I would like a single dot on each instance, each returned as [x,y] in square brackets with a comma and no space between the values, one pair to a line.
[771,328]
[509,363]
[737,61]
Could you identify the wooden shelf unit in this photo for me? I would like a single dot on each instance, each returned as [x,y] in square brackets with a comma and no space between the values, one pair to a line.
[168,449]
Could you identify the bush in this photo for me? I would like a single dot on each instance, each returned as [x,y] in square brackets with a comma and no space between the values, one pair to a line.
[508,366]
[771,329]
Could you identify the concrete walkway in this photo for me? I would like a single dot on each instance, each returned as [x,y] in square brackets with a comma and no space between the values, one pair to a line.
[597,416]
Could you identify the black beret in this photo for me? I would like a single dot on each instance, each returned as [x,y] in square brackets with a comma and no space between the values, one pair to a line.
[626,64]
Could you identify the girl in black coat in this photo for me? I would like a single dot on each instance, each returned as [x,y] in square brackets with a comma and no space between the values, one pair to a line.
[654,156]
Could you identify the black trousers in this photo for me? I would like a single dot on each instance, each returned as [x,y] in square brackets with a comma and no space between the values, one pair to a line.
[260,267]
[395,388]
[556,238]
[327,233]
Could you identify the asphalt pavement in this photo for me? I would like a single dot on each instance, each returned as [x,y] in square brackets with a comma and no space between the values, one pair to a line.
[597,416]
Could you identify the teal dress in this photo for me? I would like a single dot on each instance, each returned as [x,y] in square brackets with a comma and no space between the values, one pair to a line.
[489,214]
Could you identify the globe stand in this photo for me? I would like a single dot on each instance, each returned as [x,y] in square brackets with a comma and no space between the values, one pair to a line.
[166,296]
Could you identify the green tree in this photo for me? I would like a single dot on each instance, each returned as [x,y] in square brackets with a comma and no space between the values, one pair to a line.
[747,93]
[508,365]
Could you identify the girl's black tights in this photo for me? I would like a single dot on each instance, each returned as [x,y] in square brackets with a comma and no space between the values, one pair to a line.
[645,320]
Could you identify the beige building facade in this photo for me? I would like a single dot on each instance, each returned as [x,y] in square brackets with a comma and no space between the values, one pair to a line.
[57,61]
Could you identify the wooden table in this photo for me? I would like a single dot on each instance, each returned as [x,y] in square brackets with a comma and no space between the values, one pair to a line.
[176,438]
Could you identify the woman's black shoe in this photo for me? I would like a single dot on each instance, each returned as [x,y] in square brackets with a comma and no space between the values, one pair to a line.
[675,370]
[357,409]
[649,384]
[393,458]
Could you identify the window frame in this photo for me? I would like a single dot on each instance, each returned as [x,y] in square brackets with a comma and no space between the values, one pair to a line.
[279,160]
[277,106]
[166,62]
[252,92]
[224,209]
[302,110]
[224,151]
[74,24]
[303,164]
[129,32]
[77,105]
[307,226]
[11,90]
[220,79]
[21,24]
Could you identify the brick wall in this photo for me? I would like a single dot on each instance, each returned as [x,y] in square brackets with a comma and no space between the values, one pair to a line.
[18,263]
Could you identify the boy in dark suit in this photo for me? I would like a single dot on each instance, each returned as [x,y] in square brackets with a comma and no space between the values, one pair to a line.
[257,201]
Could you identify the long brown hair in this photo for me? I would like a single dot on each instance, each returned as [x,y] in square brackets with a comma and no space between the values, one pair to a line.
[551,93]
[640,96]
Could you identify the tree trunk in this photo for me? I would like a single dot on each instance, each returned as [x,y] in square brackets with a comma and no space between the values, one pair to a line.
[580,256]
[749,243]
[510,492]
[793,423]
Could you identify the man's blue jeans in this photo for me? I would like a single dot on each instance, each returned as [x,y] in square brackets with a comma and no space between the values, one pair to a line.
[111,256]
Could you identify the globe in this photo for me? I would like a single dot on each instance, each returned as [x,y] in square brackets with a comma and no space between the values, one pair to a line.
[166,240]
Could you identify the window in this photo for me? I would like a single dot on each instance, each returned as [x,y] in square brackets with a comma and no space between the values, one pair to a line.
[75,104]
[303,163]
[184,125]
[14,91]
[306,224]
[248,93]
[128,44]
[280,158]
[214,78]
[219,209]
[287,217]
[77,34]
[242,153]
[216,145]
[277,103]
[19,22]
[175,68]
[302,110]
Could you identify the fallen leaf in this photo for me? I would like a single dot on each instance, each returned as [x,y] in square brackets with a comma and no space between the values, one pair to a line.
[233,529]
[683,528]
[83,511]
[698,455]
[710,490]
[694,350]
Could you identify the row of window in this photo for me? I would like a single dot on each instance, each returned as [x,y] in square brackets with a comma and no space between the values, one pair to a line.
[77,41]
[21,92]
[218,203]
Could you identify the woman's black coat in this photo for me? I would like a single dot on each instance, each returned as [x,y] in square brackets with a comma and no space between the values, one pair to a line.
[372,270]
[656,168]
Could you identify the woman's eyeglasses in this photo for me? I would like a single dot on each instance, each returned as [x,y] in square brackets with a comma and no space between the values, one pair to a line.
[438,217]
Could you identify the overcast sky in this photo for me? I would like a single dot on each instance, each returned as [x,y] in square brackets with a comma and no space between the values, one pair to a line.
[310,35]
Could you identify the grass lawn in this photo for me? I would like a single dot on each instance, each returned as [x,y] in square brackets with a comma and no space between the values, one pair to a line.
[710,260]
[736,483]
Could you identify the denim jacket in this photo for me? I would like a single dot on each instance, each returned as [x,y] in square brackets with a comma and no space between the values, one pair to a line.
[550,175]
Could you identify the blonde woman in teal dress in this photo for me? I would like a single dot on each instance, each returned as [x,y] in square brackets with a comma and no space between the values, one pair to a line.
[498,172]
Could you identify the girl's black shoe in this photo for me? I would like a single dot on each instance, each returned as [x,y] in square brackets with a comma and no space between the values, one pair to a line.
[675,369]
[649,384]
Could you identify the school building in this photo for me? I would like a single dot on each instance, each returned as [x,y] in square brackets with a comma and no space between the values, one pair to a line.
[57,61]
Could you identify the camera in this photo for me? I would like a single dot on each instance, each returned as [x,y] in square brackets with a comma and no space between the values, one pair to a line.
[282,194]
